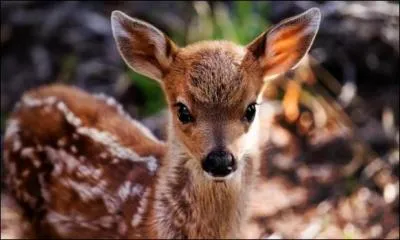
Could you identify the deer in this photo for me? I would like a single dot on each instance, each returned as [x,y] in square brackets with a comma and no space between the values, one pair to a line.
[81,167]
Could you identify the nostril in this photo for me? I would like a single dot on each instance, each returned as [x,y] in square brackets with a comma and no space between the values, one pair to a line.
[219,163]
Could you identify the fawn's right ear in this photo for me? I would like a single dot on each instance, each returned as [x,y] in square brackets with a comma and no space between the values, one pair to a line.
[142,46]
[283,46]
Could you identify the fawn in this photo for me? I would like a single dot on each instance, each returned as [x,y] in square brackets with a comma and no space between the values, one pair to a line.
[82,168]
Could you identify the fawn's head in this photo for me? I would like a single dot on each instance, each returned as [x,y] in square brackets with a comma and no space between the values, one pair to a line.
[212,87]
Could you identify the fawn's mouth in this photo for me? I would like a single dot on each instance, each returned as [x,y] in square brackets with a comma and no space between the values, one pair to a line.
[218,178]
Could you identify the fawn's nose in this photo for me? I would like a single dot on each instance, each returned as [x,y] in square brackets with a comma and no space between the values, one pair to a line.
[219,163]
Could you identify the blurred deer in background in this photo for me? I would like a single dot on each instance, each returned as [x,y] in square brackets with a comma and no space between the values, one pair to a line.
[82,168]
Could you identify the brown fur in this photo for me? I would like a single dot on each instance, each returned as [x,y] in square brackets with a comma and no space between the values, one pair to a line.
[62,155]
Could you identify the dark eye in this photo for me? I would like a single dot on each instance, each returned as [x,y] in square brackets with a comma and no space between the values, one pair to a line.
[184,114]
[250,112]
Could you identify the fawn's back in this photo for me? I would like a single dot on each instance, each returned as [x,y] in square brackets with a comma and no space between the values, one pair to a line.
[84,168]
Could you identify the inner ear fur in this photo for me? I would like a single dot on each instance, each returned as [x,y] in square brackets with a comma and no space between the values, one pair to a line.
[143,47]
[284,45]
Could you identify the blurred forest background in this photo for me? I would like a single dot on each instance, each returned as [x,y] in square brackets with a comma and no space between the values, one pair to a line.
[332,168]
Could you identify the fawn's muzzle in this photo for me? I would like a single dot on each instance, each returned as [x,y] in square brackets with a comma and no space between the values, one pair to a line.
[219,163]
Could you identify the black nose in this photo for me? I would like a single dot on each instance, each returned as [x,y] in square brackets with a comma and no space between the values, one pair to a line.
[219,163]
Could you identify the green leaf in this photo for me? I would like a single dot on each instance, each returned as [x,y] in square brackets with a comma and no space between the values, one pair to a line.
[154,96]
[224,25]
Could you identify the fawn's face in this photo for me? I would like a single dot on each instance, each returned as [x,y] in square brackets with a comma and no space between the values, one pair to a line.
[212,87]
[212,90]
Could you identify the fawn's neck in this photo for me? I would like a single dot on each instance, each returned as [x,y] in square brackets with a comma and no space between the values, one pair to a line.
[189,205]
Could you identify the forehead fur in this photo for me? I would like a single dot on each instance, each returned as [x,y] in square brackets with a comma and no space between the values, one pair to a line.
[213,71]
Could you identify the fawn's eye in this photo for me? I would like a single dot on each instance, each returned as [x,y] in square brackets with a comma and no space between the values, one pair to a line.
[250,112]
[184,114]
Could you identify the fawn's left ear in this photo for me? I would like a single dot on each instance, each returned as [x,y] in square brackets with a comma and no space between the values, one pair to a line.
[283,46]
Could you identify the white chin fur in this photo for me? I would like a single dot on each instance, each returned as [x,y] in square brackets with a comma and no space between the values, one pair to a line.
[229,176]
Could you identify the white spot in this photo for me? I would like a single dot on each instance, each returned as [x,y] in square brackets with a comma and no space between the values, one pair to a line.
[54,217]
[115,161]
[12,128]
[89,171]
[103,155]
[75,136]
[64,224]
[36,162]
[45,193]
[61,223]
[33,102]
[105,221]
[112,102]
[112,144]
[312,230]
[85,191]
[70,162]
[60,158]
[280,137]
[152,164]
[39,148]
[124,191]
[74,149]
[137,189]
[348,92]
[25,173]
[391,192]
[29,199]
[61,142]
[122,228]
[87,225]
[27,152]
[69,115]
[137,218]
[57,169]
[16,145]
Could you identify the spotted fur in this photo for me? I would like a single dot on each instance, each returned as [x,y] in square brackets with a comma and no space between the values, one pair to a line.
[73,169]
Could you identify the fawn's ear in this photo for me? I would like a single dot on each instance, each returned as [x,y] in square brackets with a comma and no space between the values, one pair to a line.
[284,45]
[142,46]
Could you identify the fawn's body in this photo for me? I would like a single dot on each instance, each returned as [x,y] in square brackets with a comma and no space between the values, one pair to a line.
[82,168]
[101,162]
